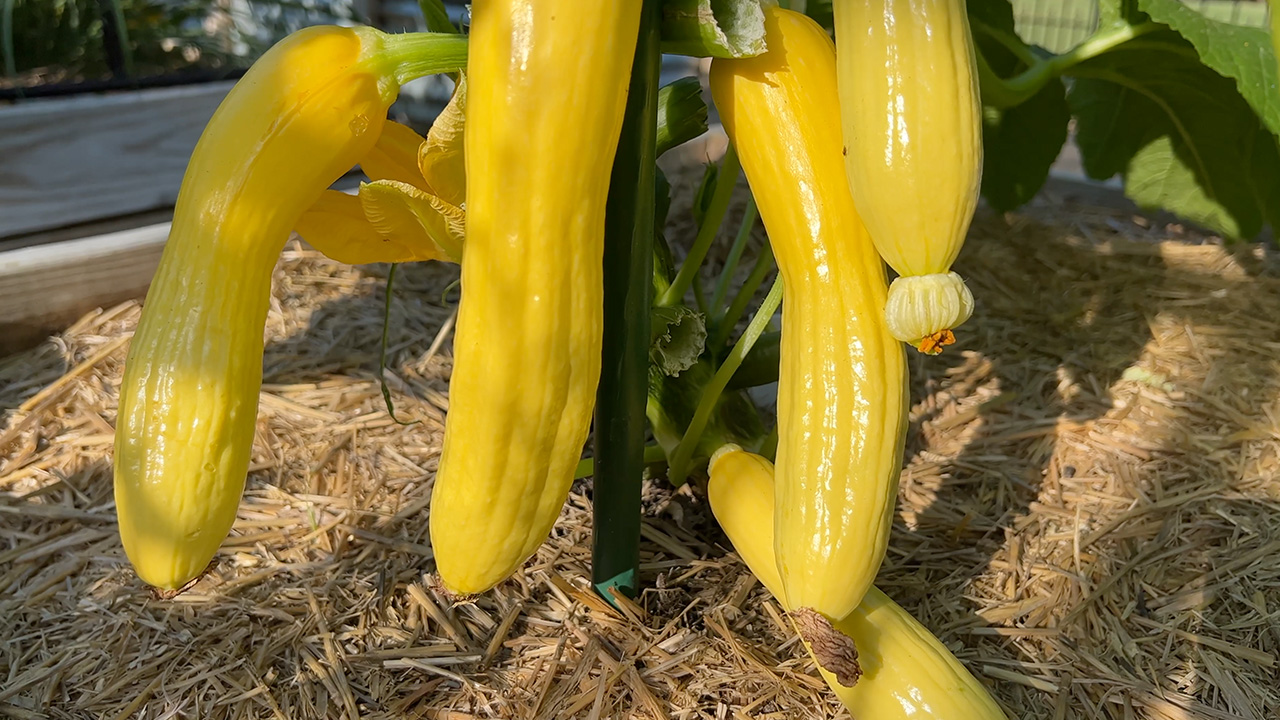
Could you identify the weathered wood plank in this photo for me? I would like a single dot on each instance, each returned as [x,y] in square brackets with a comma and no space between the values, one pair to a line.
[46,287]
[70,160]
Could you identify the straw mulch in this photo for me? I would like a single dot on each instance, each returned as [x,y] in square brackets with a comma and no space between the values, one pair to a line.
[1089,517]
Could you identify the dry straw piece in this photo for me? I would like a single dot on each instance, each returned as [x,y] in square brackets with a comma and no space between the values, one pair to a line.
[1089,517]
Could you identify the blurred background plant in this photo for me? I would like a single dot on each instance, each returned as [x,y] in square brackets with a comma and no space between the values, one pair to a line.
[69,41]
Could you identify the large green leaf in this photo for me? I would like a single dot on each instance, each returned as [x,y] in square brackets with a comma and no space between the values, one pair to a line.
[1020,143]
[1180,133]
[1243,54]
[1114,124]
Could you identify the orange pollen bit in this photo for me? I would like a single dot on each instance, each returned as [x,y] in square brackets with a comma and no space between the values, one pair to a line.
[933,344]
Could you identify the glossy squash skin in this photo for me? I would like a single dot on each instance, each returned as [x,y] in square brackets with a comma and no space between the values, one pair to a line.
[842,382]
[546,93]
[301,117]
[907,673]
[912,123]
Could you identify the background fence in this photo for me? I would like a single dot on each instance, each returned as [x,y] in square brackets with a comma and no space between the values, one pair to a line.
[1059,25]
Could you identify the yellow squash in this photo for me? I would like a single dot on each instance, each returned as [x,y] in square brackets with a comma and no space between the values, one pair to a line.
[306,111]
[842,382]
[546,90]
[913,150]
[906,672]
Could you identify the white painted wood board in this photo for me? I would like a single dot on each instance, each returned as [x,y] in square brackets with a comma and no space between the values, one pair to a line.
[45,287]
[83,158]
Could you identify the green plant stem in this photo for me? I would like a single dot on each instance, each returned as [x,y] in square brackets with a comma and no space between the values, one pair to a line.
[1008,92]
[382,353]
[760,366]
[713,28]
[725,182]
[1010,41]
[995,90]
[679,467]
[660,283]
[587,466]
[628,271]
[1106,38]
[725,325]
[699,295]
[416,55]
[735,253]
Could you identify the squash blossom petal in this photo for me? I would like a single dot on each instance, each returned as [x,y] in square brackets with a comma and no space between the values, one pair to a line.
[411,211]
[441,160]
[306,112]
[395,156]
[402,210]
[388,221]
[336,226]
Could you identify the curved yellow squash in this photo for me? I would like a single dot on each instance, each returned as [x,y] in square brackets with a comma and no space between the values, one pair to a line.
[546,90]
[913,133]
[842,382]
[907,673]
[301,117]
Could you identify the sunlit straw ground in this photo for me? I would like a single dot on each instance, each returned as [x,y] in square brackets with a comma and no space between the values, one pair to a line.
[1089,517]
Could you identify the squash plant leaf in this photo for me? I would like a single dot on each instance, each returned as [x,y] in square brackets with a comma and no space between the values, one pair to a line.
[1243,54]
[1181,134]
[1020,143]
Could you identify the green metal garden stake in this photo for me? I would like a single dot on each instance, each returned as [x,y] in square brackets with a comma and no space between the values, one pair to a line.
[628,258]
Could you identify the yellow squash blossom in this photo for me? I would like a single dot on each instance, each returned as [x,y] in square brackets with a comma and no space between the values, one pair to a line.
[412,208]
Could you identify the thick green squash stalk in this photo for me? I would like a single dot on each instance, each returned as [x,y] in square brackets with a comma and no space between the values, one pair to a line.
[628,267]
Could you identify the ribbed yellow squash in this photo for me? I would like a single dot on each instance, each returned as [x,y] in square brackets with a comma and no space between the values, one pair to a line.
[907,673]
[301,117]
[547,82]
[842,382]
[913,139]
